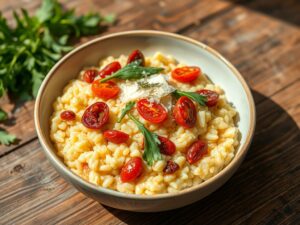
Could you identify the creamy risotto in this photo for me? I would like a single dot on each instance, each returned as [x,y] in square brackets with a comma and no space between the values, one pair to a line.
[178,130]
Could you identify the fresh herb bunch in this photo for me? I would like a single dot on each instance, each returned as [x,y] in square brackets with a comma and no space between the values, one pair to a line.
[35,44]
[200,99]
[28,51]
[151,146]
[133,71]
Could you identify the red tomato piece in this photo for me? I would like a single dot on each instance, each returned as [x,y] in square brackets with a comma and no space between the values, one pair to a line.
[185,112]
[116,136]
[110,69]
[196,151]
[96,115]
[105,90]
[132,169]
[186,74]
[212,97]
[152,111]
[166,146]
[89,75]
[68,115]
[85,166]
[136,55]
[171,167]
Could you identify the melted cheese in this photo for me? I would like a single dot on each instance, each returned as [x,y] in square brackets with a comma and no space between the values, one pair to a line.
[157,88]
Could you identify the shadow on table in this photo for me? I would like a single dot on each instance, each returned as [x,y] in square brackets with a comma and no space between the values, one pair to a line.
[268,171]
[286,10]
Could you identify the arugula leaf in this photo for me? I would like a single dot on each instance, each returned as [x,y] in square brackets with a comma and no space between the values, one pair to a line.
[3,115]
[200,99]
[6,138]
[133,71]
[151,147]
[127,108]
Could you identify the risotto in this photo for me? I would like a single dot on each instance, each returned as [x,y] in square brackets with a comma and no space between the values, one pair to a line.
[144,125]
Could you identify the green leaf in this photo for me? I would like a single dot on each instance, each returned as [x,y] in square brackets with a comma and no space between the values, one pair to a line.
[151,144]
[91,20]
[3,115]
[46,10]
[30,62]
[63,39]
[37,79]
[127,108]
[52,55]
[200,99]
[111,18]
[133,71]
[6,138]
[2,89]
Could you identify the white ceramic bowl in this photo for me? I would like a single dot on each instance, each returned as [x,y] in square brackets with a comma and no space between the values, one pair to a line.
[183,49]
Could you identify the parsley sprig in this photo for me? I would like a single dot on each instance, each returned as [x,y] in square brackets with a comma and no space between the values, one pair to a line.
[200,99]
[151,144]
[35,44]
[5,138]
[133,71]
[28,51]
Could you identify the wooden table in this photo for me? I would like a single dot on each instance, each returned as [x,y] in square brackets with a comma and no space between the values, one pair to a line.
[262,39]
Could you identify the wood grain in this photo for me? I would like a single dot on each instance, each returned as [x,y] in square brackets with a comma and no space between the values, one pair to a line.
[263,44]
[265,52]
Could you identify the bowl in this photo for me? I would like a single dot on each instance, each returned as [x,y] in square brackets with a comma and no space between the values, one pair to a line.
[183,49]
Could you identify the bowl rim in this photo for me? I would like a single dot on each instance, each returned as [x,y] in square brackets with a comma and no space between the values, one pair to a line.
[61,167]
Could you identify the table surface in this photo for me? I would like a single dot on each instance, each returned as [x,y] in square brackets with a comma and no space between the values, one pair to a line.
[262,39]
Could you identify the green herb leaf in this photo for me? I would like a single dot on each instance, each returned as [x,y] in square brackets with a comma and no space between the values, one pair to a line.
[200,99]
[6,138]
[133,71]
[151,147]
[46,10]
[2,90]
[3,115]
[127,108]
[110,19]
[37,79]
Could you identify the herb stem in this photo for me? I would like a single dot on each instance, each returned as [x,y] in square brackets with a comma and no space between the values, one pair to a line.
[133,71]
[151,143]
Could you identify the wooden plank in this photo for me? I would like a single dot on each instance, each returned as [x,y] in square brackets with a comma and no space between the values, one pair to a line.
[32,192]
[131,16]
[265,51]
[286,11]
[292,105]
